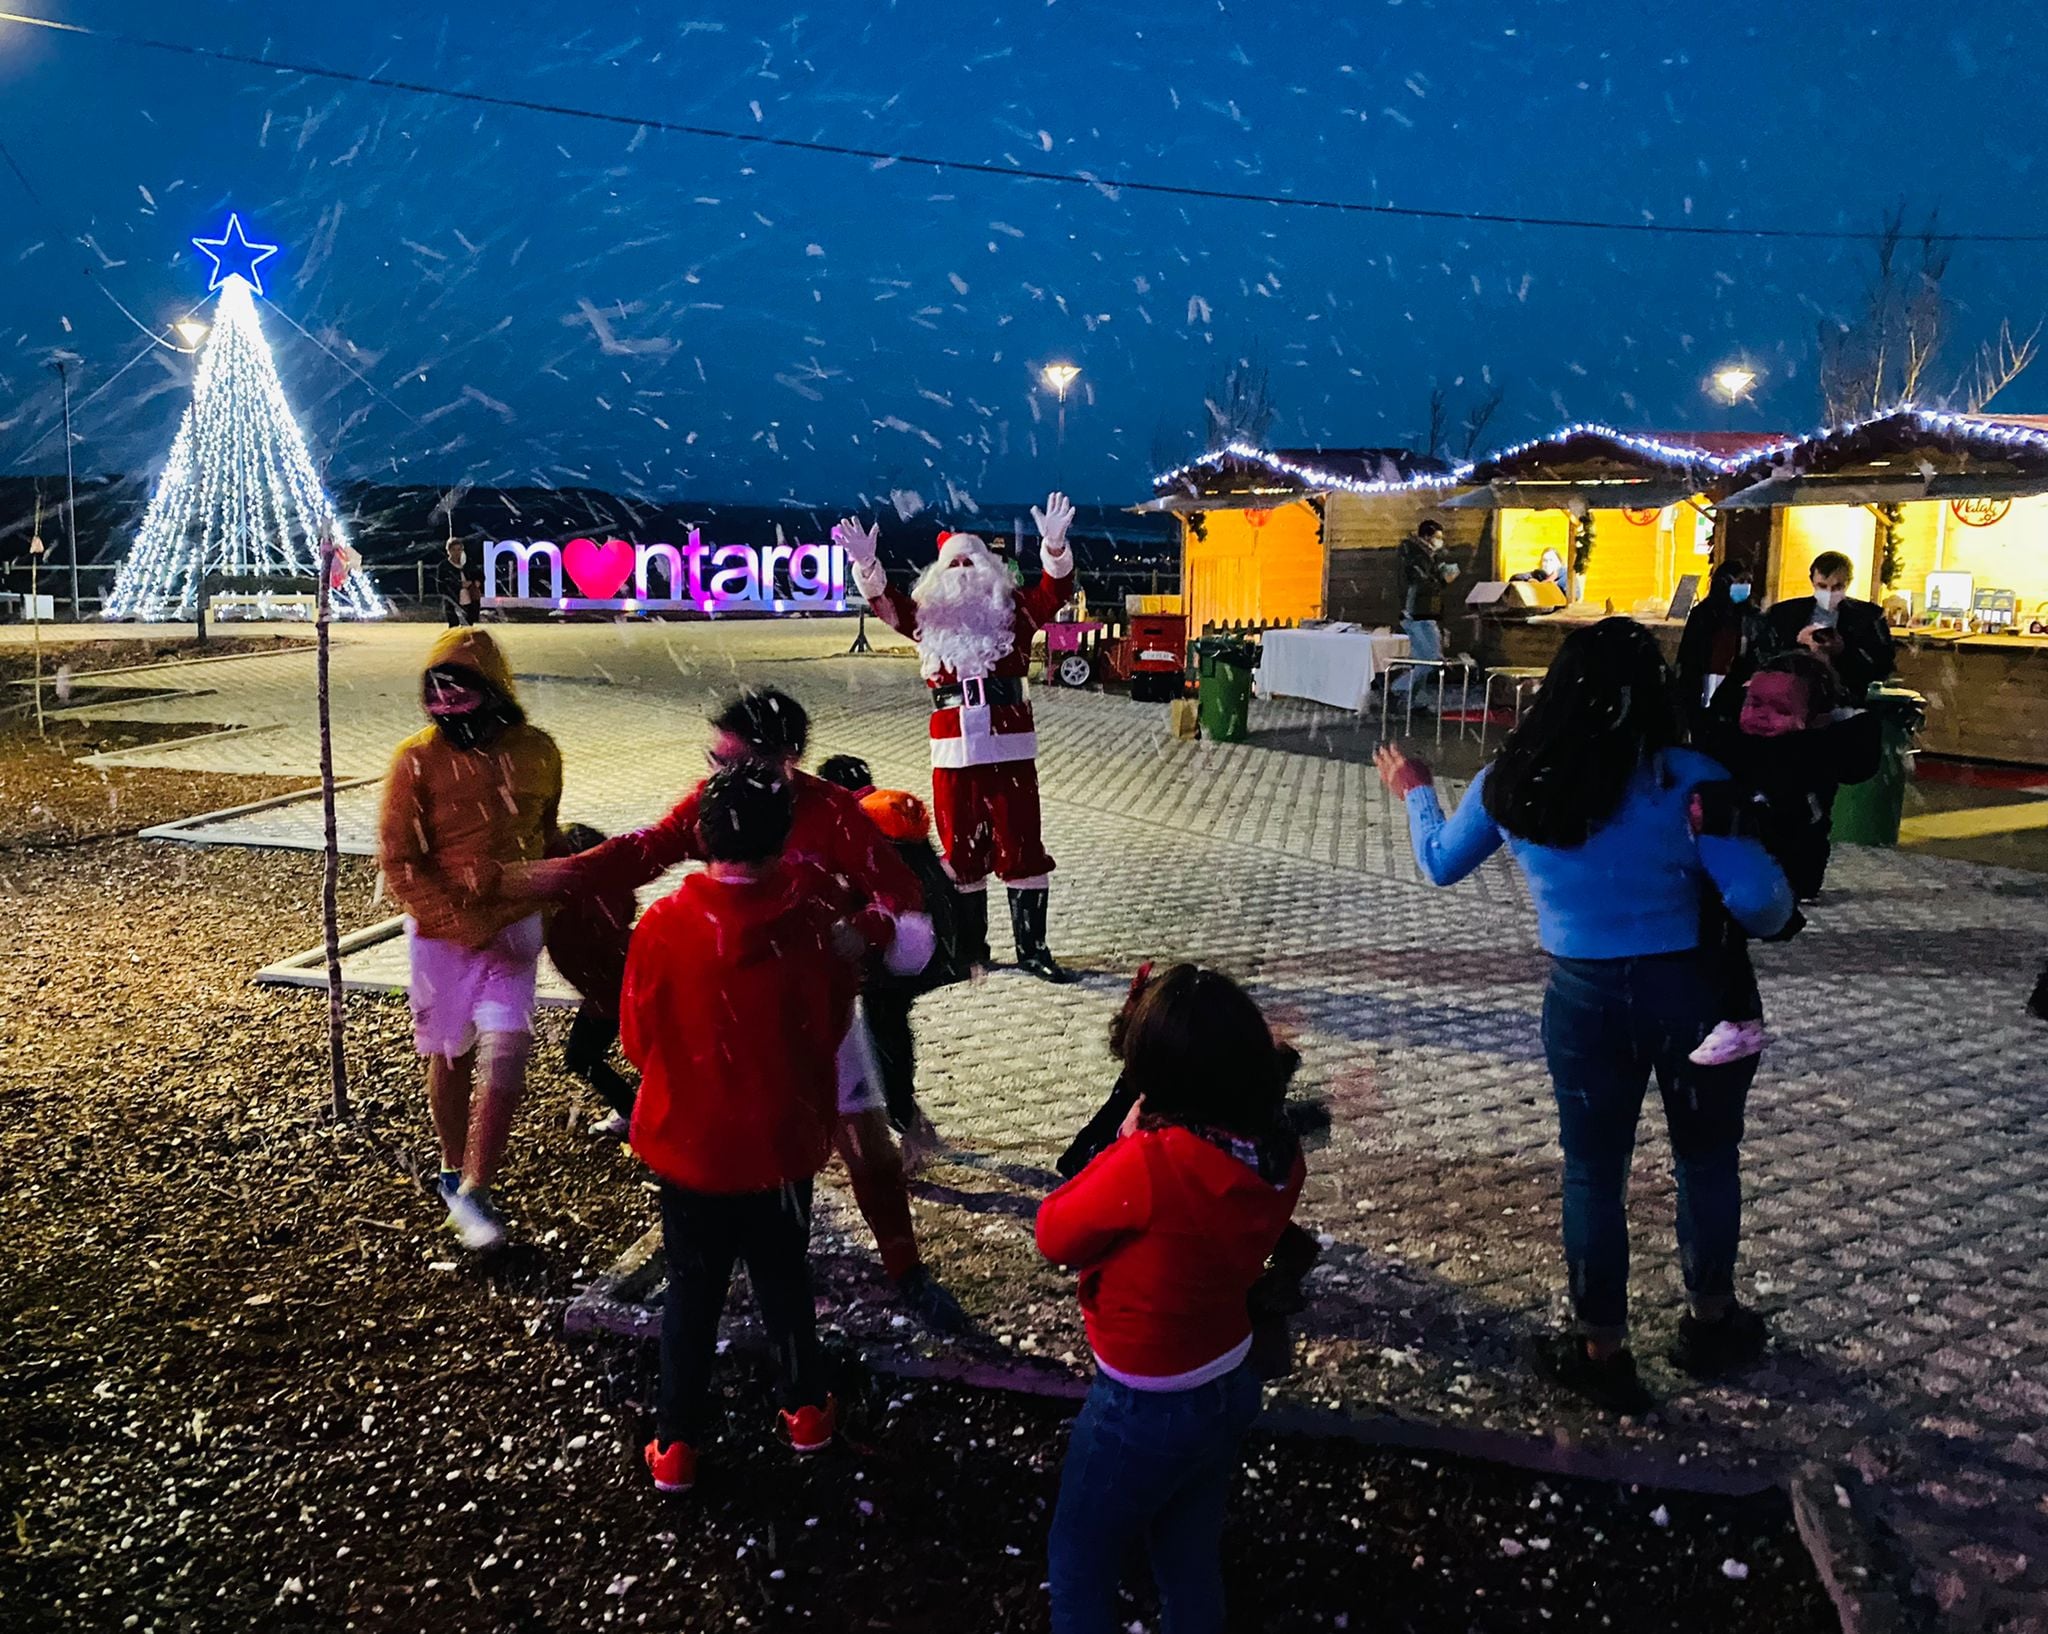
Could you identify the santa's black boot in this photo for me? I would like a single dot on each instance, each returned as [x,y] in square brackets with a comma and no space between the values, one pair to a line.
[971,920]
[1027,924]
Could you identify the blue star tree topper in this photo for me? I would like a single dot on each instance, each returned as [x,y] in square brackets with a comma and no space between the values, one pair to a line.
[234,256]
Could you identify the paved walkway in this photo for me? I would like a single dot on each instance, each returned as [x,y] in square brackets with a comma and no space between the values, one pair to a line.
[1897,1162]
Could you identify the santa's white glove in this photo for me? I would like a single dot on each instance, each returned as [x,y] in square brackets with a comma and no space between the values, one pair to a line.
[858,542]
[1053,521]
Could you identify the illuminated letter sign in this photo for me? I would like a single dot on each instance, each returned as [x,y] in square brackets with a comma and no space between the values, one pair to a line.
[664,578]
[522,555]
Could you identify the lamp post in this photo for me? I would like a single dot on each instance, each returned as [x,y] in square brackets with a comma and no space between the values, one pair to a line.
[70,487]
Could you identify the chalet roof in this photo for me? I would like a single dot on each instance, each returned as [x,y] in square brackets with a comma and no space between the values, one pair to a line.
[1239,468]
[1597,453]
[1909,454]
[1910,440]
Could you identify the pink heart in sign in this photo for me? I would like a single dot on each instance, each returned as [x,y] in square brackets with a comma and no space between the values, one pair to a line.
[599,570]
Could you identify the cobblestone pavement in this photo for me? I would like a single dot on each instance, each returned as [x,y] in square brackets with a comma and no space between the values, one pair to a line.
[1896,1164]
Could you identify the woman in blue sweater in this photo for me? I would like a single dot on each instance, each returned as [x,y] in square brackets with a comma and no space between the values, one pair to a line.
[1622,835]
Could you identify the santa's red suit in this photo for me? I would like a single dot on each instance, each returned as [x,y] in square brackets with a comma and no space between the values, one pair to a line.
[973,628]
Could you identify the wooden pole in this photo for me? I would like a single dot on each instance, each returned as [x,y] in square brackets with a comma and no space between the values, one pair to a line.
[337,1059]
[35,604]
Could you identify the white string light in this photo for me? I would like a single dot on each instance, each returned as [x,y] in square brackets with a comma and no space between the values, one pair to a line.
[1978,433]
[239,494]
[1310,475]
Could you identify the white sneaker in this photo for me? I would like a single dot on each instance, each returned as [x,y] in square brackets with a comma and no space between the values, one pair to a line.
[1730,1041]
[613,1125]
[475,1221]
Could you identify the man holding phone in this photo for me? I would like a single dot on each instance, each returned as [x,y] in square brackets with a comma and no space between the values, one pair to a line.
[1849,635]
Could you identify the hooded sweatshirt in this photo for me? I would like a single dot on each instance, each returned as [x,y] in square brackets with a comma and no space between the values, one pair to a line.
[734,1006]
[1169,1232]
[454,817]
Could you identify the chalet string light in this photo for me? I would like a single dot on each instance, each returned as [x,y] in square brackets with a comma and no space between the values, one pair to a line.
[239,496]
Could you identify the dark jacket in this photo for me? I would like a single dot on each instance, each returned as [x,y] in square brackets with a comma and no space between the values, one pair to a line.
[1795,778]
[1866,654]
[1722,637]
[1422,581]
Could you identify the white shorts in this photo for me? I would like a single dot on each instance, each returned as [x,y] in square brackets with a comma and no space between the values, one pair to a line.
[860,1079]
[459,992]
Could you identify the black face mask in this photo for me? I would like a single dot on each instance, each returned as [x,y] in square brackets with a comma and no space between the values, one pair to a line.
[481,726]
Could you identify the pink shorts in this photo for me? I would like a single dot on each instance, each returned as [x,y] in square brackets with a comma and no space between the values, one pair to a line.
[459,992]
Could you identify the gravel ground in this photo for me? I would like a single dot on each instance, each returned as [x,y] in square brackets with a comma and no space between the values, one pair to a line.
[247,1381]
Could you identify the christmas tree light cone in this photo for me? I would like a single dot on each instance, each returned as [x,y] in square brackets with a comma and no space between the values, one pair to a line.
[239,496]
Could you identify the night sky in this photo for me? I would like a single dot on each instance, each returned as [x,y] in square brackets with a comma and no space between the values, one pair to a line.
[547,300]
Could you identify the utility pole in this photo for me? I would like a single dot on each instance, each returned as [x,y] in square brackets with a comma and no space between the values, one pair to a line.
[70,490]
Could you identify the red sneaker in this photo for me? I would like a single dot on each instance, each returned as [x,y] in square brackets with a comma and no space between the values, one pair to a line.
[811,1429]
[673,1467]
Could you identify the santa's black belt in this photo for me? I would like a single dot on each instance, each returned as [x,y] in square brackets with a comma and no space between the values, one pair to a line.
[994,692]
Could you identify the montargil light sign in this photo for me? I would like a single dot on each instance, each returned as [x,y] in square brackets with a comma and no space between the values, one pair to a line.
[612,576]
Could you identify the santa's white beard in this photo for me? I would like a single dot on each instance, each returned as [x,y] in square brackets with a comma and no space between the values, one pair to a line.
[966,618]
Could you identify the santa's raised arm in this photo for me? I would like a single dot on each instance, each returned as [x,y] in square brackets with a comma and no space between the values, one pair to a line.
[973,628]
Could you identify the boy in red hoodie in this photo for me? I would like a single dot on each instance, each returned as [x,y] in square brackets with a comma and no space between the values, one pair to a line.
[739,988]
[1170,1227]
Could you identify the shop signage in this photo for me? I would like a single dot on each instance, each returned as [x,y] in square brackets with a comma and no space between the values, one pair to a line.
[1640,516]
[1979,513]
[613,576]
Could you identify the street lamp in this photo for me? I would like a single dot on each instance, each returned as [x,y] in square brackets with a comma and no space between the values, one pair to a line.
[1733,382]
[191,331]
[1060,376]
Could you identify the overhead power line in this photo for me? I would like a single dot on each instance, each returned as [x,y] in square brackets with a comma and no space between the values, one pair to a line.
[1069,178]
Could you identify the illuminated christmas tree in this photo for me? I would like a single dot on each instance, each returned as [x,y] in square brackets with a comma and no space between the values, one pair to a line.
[239,496]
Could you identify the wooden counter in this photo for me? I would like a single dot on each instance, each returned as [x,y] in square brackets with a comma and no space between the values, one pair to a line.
[1987,695]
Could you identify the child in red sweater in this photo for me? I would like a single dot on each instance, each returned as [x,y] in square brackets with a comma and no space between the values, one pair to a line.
[739,988]
[1170,1228]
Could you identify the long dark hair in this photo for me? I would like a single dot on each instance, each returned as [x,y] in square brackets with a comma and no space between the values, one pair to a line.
[1197,1048]
[1608,704]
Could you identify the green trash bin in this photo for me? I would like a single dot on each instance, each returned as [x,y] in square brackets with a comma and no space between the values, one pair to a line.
[1868,813]
[1223,667]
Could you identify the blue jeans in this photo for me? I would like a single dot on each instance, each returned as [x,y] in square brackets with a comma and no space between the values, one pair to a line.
[1155,1465]
[1609,1026]
[1425,640]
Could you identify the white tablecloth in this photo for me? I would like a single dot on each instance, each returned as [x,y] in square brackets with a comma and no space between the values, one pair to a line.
[1334,667]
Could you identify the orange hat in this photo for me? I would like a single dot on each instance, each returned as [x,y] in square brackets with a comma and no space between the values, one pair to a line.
[897,813]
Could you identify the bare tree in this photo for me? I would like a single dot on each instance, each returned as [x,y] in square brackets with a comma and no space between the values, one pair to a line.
[1439,420]
[1998,364]
[1240,403]
[1479,418]
[1881,359]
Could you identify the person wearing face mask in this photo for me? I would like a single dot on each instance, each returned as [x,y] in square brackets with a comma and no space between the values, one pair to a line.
[474,792]
[1850,636]
[1723,635]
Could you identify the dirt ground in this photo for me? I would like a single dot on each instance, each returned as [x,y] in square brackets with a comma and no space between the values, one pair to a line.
[248,1381]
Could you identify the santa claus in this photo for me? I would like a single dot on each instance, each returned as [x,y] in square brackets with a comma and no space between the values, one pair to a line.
[973,627]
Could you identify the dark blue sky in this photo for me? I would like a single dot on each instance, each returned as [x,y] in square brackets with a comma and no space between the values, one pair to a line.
[562,302]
